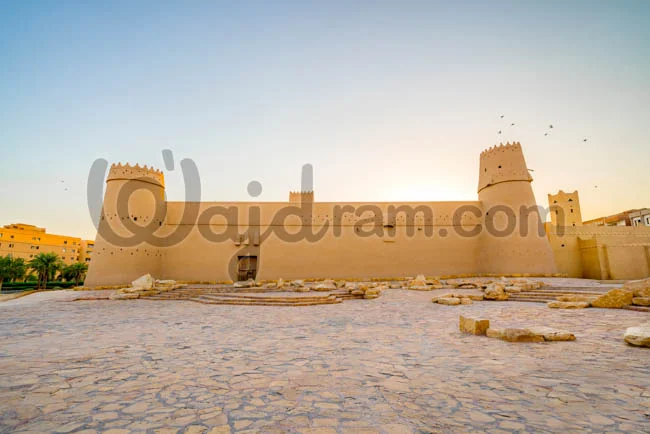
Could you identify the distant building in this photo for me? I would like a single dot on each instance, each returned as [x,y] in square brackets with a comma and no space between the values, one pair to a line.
[640,217]
[633,217]
[86,251]
[20,240]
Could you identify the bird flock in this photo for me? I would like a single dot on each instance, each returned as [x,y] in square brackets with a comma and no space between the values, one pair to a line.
[546,132]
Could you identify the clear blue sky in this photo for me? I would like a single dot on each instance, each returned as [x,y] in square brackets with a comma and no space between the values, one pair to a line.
[388,100]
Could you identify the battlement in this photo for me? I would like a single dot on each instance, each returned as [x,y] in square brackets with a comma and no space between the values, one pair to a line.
[562,196]
[514,146]
[502,163]
[121,171]
[301,196]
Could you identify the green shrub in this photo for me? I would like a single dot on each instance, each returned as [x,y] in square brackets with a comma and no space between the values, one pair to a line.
[32,285]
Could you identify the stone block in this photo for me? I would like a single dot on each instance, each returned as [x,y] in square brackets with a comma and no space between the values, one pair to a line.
[449,301]
[640,288]
[641,301]
[614,299]
[567,304]
[551,334]
[514,335]
[638,336]
[575,297]
[473,326]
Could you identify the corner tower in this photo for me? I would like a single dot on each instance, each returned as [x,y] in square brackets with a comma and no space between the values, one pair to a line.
[133,209]
[565,209]
[513,239]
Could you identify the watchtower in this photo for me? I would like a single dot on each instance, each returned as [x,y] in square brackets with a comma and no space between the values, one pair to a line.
[565,209]
[133,208]
[513,237]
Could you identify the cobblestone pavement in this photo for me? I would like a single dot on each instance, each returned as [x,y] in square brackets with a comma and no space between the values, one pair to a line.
[396,364]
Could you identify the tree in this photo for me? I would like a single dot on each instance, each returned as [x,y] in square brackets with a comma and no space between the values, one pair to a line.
[76,272]
[46,265]
[11,269]
[18,269]
[5,269]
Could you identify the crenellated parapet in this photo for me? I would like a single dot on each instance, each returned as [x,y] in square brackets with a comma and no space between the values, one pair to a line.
[514,146]
[563,196]
[502,163]
[121,171]
[301,196]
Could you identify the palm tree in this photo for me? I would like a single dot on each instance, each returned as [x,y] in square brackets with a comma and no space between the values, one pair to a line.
[11,269]
[46,265]
[5,269]
[18,269]
[75,272]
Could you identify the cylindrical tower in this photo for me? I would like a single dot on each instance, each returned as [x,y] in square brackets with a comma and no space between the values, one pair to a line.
[513,240]
[133,209]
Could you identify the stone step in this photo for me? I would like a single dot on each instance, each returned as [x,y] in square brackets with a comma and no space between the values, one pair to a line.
[248,300]
[229,301]
[240,297]
[232,290]
[546,296]
[349,296]
[564,292]
[576,290]
[270,299]
[532,300]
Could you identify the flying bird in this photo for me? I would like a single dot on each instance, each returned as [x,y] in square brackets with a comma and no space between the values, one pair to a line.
[501,116]
[546,134]
[584,140]
[512,124]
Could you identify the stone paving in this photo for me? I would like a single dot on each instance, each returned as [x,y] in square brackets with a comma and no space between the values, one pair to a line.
[397,364]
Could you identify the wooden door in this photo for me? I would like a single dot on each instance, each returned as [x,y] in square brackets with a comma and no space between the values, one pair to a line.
[247,268]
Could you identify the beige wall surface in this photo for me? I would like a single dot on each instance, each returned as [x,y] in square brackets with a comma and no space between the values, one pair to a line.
[360,240]
[601,252]
[344,254]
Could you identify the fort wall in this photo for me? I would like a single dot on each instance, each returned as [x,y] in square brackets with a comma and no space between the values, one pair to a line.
[601,252]
[204,241]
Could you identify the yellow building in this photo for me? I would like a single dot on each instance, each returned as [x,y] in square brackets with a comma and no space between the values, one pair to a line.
[86,252]
[26,241]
